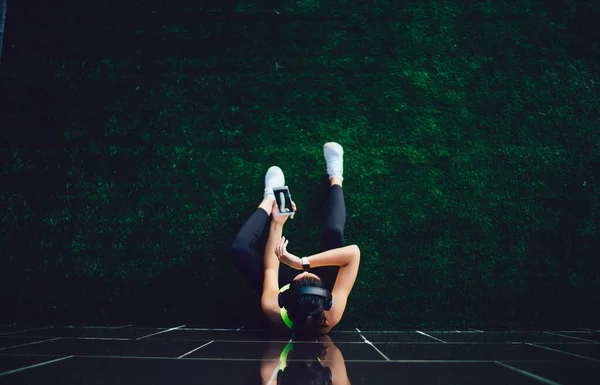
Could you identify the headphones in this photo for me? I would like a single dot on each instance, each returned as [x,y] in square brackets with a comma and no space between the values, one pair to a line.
[307,290]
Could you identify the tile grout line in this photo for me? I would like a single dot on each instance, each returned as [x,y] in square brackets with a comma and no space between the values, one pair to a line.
[223,330]
[274,374]
[560,351]
[577,338]
[96,327]
[30,343]
[466,331]
[478,331]
[260,360]
[528,374]
[301,342]
[373,346]
[33,366]
[164,331]
[26,330]
[98,338]
[425,334]
[192,351]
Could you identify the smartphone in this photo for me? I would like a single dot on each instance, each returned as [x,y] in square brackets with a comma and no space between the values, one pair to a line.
[284,200]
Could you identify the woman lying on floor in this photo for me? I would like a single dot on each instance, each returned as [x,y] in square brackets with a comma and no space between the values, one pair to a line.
[315,289]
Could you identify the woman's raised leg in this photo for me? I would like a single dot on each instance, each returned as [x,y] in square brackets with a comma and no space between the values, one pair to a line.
[246,253]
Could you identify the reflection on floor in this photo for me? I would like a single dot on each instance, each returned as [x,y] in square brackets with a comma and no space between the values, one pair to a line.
[127,354]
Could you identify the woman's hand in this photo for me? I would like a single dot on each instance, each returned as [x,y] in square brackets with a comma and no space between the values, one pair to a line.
[277,217]
[287,258]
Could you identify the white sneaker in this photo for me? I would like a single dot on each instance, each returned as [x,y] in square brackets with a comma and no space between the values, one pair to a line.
[334,156]
[273,178]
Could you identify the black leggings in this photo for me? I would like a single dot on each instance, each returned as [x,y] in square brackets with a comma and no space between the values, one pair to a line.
[248,254]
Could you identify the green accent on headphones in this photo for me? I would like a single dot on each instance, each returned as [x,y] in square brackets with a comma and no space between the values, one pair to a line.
[283,311]
[284,354]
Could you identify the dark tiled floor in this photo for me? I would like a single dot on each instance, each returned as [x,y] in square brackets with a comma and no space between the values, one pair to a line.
[185,355]
[515,351]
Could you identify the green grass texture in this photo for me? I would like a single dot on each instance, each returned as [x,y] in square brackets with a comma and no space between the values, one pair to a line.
[136,137]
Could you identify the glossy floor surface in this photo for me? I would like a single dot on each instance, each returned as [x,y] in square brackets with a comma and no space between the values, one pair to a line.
[181,354]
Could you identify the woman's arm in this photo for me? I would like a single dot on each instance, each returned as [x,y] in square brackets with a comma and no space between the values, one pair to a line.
[269,300]
[336,257]
[343,285]
[271,262]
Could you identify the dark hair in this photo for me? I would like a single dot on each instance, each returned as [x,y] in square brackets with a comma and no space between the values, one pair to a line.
[305,310]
